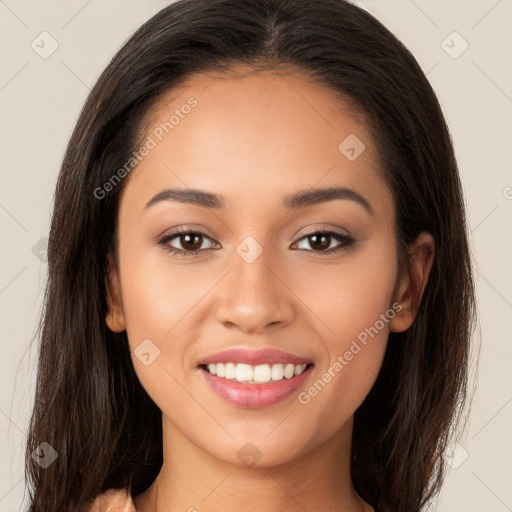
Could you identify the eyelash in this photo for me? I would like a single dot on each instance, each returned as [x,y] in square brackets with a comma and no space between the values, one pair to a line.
[346,241]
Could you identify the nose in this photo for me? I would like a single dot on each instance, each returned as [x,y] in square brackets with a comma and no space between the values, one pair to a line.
[254,296]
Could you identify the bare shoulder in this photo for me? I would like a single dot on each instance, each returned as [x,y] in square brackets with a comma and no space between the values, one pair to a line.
[113,500]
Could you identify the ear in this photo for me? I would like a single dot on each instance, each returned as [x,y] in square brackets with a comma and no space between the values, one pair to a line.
[413,283]
[115,317]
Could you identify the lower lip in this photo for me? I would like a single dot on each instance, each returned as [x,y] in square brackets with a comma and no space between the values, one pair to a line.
[254,396]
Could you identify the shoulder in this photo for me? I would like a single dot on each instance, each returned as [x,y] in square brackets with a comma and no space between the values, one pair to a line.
[113,500]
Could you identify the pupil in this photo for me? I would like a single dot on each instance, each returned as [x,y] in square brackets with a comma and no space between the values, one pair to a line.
[322,244]
[195,246]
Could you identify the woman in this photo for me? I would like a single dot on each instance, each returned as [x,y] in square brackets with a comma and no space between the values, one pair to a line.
[260,293]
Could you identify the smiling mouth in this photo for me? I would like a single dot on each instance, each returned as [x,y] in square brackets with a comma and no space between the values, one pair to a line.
[259,374]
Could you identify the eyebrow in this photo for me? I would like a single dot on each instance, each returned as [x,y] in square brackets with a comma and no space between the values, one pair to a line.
[301,199]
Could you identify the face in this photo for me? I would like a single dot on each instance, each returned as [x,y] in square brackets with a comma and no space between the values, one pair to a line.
[258,268]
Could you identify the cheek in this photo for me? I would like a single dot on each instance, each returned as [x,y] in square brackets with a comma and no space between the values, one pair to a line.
[353,304]
[156,291]
[162,301]
[156,301]
[348,298]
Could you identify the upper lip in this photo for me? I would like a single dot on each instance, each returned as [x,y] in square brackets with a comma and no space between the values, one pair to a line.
[254,357]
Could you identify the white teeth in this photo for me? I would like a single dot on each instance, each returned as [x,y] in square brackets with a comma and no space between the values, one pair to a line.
[230,371]
[244,372]
[259,374]
[262,373]
[289,370]
[277,372]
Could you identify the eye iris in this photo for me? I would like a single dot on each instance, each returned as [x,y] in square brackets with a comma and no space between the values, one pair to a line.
[188,237]
[316,245]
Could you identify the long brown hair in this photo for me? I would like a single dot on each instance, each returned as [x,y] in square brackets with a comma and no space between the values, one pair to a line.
[89,404]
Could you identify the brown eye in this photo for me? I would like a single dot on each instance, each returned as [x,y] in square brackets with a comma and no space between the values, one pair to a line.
[321,242]
[189,242]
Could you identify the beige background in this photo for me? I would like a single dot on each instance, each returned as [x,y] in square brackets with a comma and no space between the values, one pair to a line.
[40,101]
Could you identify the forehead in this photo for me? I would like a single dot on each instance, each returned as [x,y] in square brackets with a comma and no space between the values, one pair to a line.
[258,132]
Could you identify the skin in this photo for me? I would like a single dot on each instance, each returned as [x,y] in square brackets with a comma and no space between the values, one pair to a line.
[254,139]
